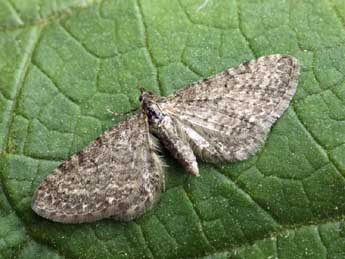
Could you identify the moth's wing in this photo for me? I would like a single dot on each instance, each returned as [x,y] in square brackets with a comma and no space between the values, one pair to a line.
[227,116]
[118,175]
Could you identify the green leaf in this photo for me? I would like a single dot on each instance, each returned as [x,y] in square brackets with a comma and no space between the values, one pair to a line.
[63,63]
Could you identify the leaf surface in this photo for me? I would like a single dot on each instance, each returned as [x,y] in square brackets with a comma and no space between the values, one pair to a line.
[63,63]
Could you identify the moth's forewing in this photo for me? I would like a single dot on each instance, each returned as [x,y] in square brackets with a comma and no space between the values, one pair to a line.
[118,175]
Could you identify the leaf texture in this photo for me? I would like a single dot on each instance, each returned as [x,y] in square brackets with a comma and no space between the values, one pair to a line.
[63,63]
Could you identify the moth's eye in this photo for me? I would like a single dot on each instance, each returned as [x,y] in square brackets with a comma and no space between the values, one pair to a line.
[149,108]
[152,113]
[140,98]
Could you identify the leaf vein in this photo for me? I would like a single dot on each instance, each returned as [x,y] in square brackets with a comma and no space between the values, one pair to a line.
[141,18]
[202,231]
[318,143]
[248,197]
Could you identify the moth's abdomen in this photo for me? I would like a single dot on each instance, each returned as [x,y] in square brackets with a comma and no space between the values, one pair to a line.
[173,138]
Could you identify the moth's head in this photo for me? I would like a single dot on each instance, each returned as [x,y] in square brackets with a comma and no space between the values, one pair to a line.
[145,96]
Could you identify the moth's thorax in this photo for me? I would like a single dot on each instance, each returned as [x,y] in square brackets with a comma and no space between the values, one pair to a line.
[151,109]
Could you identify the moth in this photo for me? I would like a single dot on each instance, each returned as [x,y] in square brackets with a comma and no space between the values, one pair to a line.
[225,117]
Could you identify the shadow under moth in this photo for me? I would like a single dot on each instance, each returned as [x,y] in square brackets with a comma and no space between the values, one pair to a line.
[225,117]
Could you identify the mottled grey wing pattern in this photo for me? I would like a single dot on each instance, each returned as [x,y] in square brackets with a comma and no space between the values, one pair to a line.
[118,175]
[227,116]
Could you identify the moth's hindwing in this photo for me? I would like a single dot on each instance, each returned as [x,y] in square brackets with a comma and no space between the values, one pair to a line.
[227,116]
[118,175]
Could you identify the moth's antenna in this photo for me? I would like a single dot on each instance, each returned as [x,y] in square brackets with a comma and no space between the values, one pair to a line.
[119,114]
